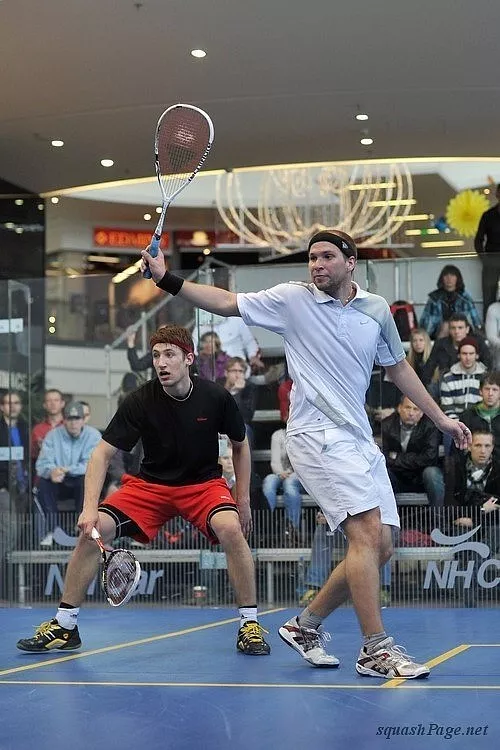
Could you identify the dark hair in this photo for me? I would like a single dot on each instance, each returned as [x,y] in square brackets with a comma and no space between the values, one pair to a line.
[490,378]
[456,272]
[53,390]
[172,334]
[459,318]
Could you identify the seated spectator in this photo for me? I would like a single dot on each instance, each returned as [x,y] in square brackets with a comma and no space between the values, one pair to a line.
[492,330]
[14,480]
[447,300]
[86,411]
[472,481]
[226,461]
[444,353]
[419,351]
[53,405]
[63,459]
[243,392]
[485,415]
[236,338]
[472,478]
[410,444]
[460,386]
[211,360]
[283,477]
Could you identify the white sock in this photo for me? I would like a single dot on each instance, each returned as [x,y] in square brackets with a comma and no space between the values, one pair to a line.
[67,617]
[246,614]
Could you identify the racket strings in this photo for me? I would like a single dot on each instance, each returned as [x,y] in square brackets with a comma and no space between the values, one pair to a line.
[120,575]
[182,139]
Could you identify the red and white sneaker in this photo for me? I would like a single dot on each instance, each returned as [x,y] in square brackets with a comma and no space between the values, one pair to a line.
[309,643]
[390,661]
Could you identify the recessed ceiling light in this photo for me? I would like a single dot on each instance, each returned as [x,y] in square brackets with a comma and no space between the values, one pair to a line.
[107,162]
[366,141]
[9,225]
[147,217]
[18,230]
[158,209]
[19,201]
[198,53]
[57,143]
[54,199]
[206,251]
[361,117]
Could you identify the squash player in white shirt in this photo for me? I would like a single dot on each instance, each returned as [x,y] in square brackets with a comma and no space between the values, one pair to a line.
[333,332]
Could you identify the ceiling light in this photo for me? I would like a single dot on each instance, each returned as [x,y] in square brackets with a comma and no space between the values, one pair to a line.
[361,117]
[57,143]
[395,202]
[372,185]
[18,230]
[415,232]
[147,217]
[443,243]
[103,259]
[486,191]
[41,206]
[19,201]
[54,199]
[107,162]
[52,329]
[9,225]
[366,141]
[206,251]
[198,53]
[52,319]
[412,217]
[158,209]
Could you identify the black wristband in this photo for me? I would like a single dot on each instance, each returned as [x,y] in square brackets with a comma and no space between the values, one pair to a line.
[170,283]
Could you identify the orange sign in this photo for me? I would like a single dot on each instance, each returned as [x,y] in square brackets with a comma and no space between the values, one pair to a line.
[106,237]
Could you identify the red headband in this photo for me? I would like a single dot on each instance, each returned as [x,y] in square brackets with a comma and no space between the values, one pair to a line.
[177,342]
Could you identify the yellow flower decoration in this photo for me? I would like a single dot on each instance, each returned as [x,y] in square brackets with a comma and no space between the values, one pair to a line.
[465,210]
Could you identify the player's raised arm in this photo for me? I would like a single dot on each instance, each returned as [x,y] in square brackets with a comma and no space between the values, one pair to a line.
[210,298]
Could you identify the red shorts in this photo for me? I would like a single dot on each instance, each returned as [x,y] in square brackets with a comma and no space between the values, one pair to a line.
[152,505]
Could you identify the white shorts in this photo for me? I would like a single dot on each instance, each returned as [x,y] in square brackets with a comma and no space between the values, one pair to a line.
[344,473]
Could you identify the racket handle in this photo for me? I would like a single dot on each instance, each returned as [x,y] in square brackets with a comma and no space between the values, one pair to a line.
[95,534]
[153,251]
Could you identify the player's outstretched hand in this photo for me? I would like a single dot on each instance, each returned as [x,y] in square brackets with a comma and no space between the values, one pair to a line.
[156,265]
[459,432]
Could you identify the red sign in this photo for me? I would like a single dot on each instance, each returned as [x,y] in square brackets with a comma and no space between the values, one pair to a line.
[138,239]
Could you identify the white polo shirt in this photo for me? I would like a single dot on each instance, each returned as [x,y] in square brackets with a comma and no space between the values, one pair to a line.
[330,350]
[236,338]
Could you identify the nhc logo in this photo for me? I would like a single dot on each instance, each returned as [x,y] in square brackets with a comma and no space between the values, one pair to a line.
[450,572]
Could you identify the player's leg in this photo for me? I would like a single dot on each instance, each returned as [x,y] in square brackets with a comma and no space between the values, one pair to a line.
[61,633]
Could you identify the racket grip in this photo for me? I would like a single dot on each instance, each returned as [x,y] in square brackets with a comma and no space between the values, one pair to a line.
[153,251]
[95,534]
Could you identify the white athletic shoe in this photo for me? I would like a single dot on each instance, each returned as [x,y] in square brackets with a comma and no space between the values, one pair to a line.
[309,643]
[389,661]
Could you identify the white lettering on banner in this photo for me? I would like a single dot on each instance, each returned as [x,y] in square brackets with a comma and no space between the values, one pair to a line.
[447,576]
[54,583]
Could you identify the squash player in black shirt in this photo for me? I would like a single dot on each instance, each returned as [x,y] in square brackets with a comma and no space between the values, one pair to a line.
[179,420]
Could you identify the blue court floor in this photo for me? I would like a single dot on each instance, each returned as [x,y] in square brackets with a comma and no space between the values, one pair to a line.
[159,678]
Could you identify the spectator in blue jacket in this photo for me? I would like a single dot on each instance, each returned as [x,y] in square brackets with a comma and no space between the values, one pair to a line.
[448,299]
[63,459]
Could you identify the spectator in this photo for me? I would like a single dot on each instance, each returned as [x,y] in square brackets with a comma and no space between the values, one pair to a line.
[226,461]
[444,353]
[283,477]
[242,391]
[86,411]
[410,444]
[419,351]
[63,460]
[492,330]
[137,364]
[236,338]
[14,485]
[460,386]
[485,415]
[284,390]
[14,435]
[211,360]
[53,405]
[448,299]
[487,246]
